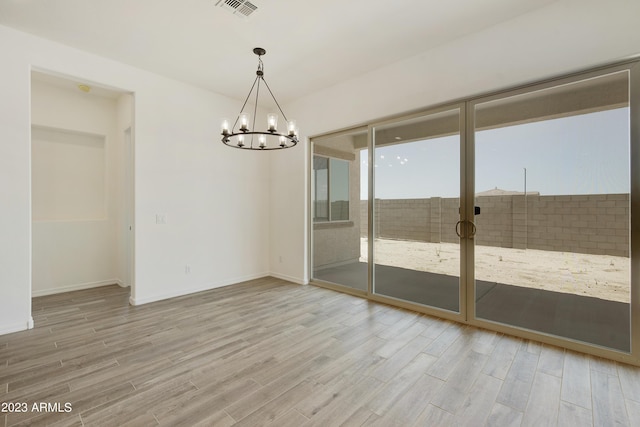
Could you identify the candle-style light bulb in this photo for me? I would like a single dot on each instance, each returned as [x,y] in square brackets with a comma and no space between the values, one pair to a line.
[292,127]
[272,122]
[225,127]
[283,141]
[240,140]
[244,121]
[262,141]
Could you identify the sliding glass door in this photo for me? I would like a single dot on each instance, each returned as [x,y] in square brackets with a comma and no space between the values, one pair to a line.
[552,180]
[511,211]
[416,206]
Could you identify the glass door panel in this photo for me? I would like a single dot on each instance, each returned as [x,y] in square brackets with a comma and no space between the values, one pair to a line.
[416,208]
[552,181]
[339,211]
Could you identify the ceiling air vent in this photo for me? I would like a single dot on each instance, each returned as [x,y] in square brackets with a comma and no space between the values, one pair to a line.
[238,7]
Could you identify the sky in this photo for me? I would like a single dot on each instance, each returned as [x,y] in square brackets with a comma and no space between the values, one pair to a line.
[584,154]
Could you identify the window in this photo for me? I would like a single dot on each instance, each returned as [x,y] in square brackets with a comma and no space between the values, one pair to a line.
[331,189]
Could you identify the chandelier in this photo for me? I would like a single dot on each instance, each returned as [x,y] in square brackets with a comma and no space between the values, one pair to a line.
[248,138]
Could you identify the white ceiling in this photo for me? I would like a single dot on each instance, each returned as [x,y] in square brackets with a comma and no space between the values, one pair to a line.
[310,44]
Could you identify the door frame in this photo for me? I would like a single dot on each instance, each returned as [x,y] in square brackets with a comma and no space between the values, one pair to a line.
[129,208]
[633,357]
[128,159]
[462,281]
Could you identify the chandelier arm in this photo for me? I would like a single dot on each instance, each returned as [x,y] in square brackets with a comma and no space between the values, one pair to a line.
[245,103]
[227,140]
[255,107]
[275,100]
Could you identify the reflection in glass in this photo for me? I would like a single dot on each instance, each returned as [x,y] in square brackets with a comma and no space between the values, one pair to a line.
[339,216]
[321,189]
[339,182]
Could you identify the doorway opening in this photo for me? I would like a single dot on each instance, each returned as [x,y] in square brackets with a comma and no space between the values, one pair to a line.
[81,186]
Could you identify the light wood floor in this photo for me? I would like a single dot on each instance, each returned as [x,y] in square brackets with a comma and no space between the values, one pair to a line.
[267,351]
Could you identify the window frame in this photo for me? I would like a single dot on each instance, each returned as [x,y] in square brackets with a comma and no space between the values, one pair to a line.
[314,189]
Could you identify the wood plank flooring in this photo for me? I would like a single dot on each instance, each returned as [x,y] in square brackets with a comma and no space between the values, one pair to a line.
[267,352]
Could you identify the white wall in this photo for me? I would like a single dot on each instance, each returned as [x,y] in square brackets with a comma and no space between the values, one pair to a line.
[15,227]
[124,184]
[209,193]
[75,221]
[288,211]
[563,37]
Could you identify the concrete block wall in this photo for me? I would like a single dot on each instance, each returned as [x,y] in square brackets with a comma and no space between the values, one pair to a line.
[594,224]
[364,215]
[407,219]
[495,222]
[450,214]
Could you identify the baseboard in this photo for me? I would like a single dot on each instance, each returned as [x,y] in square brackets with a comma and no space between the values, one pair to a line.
[76,287]
[182,292]
[121,283]
[16,327]
[289,278]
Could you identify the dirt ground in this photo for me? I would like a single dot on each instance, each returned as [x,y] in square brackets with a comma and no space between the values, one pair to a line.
[600,276]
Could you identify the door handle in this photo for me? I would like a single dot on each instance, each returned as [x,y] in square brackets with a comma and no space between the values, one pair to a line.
[471,225]
[473,229]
